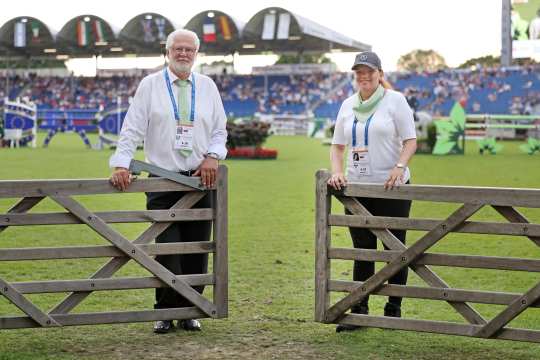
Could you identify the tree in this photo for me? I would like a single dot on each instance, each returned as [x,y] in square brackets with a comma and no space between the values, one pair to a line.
[421,60]
[484,61]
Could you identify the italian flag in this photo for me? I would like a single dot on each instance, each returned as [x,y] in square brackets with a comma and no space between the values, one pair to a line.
[83,33]
[99,34]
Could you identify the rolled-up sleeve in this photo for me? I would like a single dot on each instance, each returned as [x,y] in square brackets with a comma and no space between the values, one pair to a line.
[218,138]
[339,131]
[134,127]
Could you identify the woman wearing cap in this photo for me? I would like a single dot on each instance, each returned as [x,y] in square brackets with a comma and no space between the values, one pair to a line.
[375,128]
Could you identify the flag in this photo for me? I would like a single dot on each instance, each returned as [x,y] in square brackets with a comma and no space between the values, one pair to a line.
[209,30]
[225,28]
[35,31]
[160,24]
[83,33]
[283,26]
[99,33]
[269,27]
[147,30]
[19,36]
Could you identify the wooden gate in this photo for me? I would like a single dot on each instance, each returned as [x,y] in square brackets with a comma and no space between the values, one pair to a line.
[121,251]
[415,256]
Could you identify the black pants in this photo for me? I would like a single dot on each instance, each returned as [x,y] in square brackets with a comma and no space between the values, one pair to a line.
[365,239]
[185,231]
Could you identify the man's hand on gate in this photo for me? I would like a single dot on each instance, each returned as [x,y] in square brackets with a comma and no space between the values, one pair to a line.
[121,178]
[208,172]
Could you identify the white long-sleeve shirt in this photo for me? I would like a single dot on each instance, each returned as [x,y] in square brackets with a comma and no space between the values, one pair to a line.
[151,117]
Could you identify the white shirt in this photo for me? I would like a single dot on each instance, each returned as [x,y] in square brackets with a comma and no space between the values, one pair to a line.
[151,117]
[391,124]
[534,29]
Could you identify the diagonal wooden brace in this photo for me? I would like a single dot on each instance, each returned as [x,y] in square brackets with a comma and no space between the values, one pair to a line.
[136,254]
[423,271]
[407,256]
[115,264]
[26,305]
[512,311]
[515,216]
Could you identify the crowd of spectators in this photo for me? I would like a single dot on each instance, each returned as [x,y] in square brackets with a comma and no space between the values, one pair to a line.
[484,90]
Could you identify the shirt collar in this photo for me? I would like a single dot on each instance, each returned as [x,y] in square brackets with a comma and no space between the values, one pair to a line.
[173,77]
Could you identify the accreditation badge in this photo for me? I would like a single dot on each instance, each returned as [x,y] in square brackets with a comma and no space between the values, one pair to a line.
[360,162]
[183,139]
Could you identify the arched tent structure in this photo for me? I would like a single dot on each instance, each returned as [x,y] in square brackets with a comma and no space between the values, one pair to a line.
[145,34]
[86,35]
[26,36]
[219,33]
[281,31]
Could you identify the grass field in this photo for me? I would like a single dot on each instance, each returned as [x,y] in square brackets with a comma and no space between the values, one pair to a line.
[271,252]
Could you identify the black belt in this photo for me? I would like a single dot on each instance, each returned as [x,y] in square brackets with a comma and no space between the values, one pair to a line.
[187,173]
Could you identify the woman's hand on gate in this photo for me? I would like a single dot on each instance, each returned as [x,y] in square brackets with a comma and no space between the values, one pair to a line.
[337,180]
[395,178]
[121,178]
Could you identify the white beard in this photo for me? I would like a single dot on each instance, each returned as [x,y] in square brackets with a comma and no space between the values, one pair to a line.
[180,68]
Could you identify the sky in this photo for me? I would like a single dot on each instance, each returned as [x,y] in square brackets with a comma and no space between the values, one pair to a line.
[456,29]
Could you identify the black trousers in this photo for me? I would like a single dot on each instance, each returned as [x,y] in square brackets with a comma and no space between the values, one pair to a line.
[180,232]
[365,239]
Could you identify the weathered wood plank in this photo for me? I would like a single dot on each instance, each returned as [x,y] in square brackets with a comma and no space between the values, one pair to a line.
[115,264]
[471,227]
[111,217]
[20,322]
[439,327]
[323,207]
[17,299]
[39,287]
[511,312]
[425,273]
[38,188]
[140,257]
[432,293]
[220,237]
[81,252]
[456,194]
[466,261]
[515,216]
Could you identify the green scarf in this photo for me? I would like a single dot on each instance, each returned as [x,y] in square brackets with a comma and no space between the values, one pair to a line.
[364,108]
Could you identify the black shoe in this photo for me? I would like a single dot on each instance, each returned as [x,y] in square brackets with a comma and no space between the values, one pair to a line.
[392,310]
[356,309]
[163,326]
[347,327]
[190,325]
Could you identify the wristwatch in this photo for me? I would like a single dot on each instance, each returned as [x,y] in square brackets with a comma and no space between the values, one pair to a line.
[212,155]
[400,166]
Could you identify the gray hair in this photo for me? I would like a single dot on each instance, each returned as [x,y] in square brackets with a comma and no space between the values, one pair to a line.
[177,32]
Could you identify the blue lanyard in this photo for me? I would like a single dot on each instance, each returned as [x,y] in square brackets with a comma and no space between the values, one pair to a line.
[365,130]
[173,101]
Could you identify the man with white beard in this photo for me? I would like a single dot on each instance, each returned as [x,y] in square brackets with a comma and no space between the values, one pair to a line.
[179,115]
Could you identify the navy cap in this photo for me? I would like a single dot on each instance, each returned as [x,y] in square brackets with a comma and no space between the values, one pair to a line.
[368,58]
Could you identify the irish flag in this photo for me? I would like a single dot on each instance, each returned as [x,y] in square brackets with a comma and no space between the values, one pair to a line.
[209,30]
[99,34]
[83,33]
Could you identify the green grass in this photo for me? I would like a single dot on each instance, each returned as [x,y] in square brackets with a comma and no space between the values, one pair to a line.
[271,251]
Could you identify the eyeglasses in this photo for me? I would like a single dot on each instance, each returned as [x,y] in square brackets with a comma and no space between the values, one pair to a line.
[187,50]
